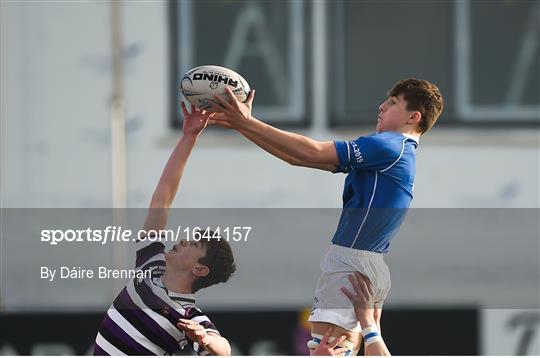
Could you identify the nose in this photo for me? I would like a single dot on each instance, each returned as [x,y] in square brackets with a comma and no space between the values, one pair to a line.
[382,106]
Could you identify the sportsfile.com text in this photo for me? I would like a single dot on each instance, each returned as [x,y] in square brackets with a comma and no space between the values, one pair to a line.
[118,234]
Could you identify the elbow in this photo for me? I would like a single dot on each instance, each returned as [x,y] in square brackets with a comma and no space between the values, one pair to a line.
[223,347]
[228,350]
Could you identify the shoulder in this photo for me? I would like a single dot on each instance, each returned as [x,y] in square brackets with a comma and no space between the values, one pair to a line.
[385,143]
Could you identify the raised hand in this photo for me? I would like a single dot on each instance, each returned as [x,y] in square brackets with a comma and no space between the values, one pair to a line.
[232,114]
[362,298]
[195,121]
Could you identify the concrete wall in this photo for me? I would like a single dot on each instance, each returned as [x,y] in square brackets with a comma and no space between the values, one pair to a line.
[56,87]
[56,136]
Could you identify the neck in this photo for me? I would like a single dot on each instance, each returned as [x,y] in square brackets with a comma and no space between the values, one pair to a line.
[411,131]
[179,282]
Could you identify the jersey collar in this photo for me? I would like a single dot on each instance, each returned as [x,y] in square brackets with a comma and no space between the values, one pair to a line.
[179,297]
[413,137]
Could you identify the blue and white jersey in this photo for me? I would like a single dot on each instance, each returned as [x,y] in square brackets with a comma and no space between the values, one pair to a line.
[378,189]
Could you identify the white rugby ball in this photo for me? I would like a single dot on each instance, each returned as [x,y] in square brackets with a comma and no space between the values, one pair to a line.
[200,84]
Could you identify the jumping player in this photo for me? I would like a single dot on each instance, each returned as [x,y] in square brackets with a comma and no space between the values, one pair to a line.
[378,191]
[157,315]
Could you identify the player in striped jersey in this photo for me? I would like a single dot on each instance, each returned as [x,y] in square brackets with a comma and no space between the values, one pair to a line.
[378,190]
[157,315]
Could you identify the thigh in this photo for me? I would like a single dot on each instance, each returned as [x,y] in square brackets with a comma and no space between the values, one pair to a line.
[322,327]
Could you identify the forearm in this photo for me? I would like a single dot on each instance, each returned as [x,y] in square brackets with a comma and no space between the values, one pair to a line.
[170,178]
[268,148]
[283,156]
[296,147]
[376,348]
[167,187]
[218,346]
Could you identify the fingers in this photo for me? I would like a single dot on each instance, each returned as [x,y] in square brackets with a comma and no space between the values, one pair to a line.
[340,351]
[365,281]
[184,109]
[190,325]
[193,109]
[221,101]
[231,96]
[338,341]
[349,294]
[191,328]
[369,287]
[251,95]
[326,336]
[356,285]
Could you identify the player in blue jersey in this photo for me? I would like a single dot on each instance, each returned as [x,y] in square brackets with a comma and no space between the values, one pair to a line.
[378,190]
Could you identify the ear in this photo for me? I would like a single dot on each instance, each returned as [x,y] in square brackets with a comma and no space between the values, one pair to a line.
[200,270]
[415,118]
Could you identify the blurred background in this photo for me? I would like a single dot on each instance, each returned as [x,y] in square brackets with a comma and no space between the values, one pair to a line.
[90,113]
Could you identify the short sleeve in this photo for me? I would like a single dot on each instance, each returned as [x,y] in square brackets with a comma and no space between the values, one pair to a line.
[370,153]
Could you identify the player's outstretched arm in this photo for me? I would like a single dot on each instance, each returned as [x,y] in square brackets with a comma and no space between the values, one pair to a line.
[215,344]
[364,307]
[268,148]
[293,148]
[287,158]
[169,181]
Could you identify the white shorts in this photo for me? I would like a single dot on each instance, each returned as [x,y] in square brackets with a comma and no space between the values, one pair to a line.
[331,305]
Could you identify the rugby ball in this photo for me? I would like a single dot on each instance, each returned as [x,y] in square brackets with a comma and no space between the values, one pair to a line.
[200,84]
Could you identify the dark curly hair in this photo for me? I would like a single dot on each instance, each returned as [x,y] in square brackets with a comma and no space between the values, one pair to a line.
[421,96]
[218,258]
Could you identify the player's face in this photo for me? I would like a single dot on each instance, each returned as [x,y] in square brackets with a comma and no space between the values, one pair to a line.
[185,255]
[393,114]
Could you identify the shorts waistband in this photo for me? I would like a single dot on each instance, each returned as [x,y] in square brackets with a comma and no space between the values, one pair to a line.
[347,251]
